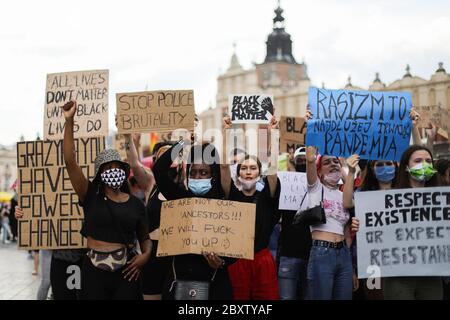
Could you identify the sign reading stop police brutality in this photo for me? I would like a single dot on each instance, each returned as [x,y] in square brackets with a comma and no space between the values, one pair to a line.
[52,217]
[155,111]
[374,125]
[404,232]
[90,90]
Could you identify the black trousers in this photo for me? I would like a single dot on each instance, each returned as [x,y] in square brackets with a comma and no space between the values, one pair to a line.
[97,284]
[59,277]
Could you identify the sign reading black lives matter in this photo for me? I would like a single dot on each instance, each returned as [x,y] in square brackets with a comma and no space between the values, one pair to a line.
[155,111]
[250,108]
[404,232]
[52,217]
[90,90]
[374,125]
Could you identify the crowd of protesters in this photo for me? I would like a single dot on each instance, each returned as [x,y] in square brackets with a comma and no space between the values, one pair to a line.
[122,208]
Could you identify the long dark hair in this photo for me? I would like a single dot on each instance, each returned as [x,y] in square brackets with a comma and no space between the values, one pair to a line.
[370,181]
[403,175]
[206,153]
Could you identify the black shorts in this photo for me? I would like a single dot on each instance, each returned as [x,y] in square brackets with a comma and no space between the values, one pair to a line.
[155,272]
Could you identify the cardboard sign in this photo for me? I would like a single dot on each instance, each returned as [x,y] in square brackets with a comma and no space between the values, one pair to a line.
[374,125]
[404,232]
[293,189]
[437,115]
[292,133]
[119,145]
[195,225]
[250,108]
[90,90]
[155,111]
[52,217]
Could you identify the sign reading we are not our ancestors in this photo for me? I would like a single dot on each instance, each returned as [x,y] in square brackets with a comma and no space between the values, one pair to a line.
[90,90]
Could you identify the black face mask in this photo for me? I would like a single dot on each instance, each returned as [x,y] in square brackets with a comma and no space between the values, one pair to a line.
[300,167]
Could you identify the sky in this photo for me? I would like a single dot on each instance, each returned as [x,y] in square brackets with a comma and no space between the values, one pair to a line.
[179,44]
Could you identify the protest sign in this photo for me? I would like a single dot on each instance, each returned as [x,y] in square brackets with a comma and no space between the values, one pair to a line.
[155,111]
[52,217]
[404,232]
[90,90]
[250,108]
[437,115]
[292,133]
[374,125]
[119,145]
[293,189]
[195,225]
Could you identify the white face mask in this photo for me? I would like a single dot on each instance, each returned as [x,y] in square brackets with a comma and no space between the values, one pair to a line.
[248,185]
[333,177]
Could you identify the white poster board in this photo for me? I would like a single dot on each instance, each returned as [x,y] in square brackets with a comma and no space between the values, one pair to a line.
[404,232]
[293,189]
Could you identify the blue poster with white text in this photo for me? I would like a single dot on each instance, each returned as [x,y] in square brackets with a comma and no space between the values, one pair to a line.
[374,125]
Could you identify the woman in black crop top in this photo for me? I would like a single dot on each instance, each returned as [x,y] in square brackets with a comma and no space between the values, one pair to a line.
[255,279]
[204,182]
[113,221]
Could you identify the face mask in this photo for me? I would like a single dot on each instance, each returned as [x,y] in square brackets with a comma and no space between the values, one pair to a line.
[199,187]
[333,178]
[248,185]
[422,172]
[385,173]
[113,178]
[300,167]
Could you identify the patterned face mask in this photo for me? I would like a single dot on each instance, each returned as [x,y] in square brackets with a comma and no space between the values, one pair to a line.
[113,178]
[422,172]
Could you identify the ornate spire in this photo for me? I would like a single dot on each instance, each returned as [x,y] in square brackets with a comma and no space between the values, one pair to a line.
[407,74]
[279,43]
[377,77]
[234,64]
[441,67]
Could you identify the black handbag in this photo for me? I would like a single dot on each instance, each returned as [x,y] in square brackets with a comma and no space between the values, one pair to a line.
[312,216]
[191,289]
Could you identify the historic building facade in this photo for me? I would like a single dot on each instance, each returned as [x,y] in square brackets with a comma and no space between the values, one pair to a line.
[287,80]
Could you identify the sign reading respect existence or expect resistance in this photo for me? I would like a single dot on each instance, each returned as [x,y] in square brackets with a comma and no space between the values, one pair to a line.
[52,217]
[155,111]
[196,225]
[90,90]
[374,125]
[250,108]
[404,232]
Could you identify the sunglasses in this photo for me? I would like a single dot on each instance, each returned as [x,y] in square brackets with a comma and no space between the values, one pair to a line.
[382,164]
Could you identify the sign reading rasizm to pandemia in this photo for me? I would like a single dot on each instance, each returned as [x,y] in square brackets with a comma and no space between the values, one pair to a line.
[90,90]
[250,108]
[197,225]
[404,232]
[155,111]
[374,125]
[52,217]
